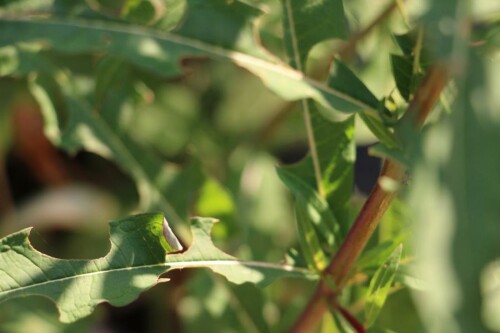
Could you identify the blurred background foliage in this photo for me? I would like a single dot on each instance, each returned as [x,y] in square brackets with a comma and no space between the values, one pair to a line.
[205,142]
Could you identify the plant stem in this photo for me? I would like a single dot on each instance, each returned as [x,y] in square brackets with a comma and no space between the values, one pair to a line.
[379,200]
[312,148]
[358,327]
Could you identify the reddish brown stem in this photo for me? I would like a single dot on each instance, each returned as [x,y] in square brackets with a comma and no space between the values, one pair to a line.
[358,327]
[364,226]
[379,200]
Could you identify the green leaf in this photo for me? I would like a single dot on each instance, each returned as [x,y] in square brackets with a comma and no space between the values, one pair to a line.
[376,256]
[161,52]
[336,153]
[380,285]
[344,80]
[382,132]
[99,132]
[134,263]
[307,23]
[455,199]
[443,20]
[406,76]
[396,154]
[19,61]
[322,221]
[315,223]
[214,200]
[402,67]
[405,278]
[342,324]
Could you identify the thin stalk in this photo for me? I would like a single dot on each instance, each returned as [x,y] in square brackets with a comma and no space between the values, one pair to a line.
[378,202]
[418,51]
[311,141]
[305,106]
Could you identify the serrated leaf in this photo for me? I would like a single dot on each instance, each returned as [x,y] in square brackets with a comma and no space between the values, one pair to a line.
[134,263]
[307,23]
[380,285]
[161,51]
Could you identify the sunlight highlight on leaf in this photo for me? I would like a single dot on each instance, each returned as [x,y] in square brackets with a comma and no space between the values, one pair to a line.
[134,263]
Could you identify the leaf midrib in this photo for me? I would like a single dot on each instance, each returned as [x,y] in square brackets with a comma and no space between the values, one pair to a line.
[170,266]
[242,59]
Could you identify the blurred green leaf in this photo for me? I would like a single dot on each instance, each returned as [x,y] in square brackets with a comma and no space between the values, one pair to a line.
[138,248]
[37,314]
[214,200]
[380,285]
[444,21]
[101,134]
[342,324]
[209,29]
[455,202]
[376,256]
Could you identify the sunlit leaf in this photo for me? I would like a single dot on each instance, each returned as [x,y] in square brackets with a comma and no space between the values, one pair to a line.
[134,263]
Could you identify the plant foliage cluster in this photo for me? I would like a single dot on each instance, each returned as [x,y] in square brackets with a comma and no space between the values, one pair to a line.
[208,108]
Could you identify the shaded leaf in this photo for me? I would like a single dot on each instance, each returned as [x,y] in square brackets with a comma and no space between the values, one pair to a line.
[402,68]
[380,285]
[137,257]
